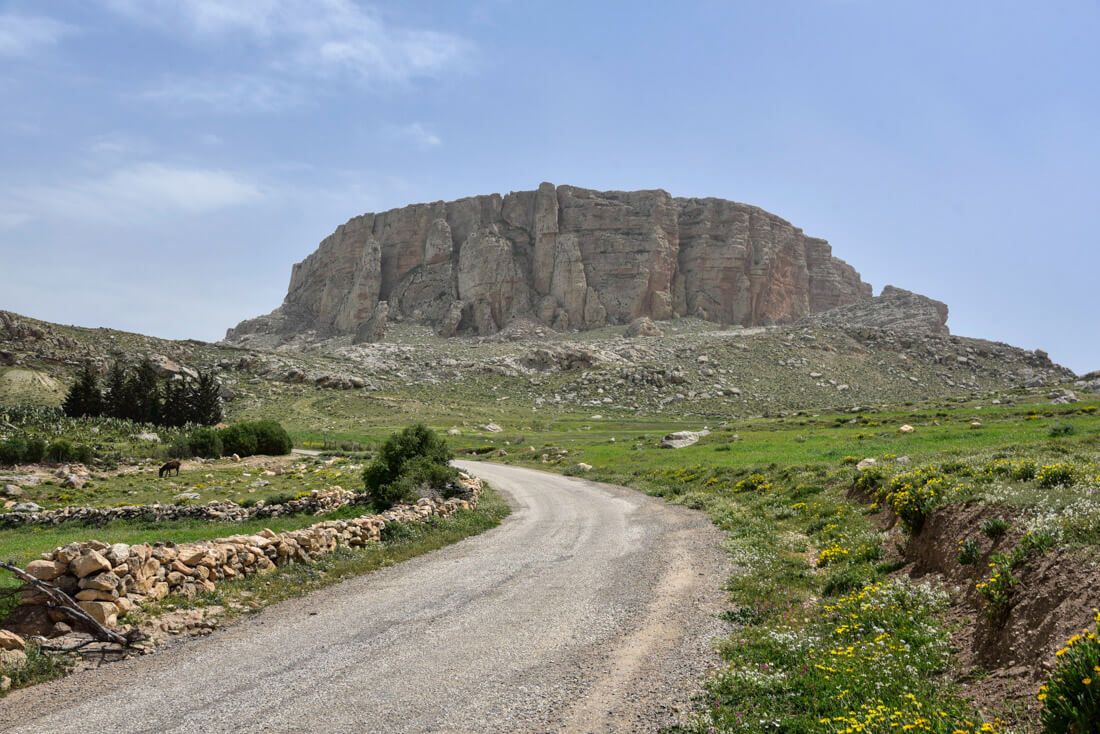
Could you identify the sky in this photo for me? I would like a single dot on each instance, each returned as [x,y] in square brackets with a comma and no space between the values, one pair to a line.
[163,163]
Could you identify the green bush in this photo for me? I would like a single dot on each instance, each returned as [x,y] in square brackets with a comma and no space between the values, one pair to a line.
[755,482]
[60,450]
[239,439]
[1053,475]
[1025,470]
[13,450]
[255,437]
[18,449]
[179,449]
[205,442]
[413,459]
[280,498]
[869,479]
[1071,696]
[271,438]
[1062,429]
[36,450]
[969,552]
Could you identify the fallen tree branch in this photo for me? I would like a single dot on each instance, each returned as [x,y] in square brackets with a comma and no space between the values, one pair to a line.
[58,599]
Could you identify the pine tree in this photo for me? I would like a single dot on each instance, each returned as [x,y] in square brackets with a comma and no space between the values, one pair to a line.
[144,393]
[176,409]
[116,396]
[84,397]
[207,400]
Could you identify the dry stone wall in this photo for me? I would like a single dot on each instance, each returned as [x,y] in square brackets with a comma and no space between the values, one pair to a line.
[108,580]
[317,502]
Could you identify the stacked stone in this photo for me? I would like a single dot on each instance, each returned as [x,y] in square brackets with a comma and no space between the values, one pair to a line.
[318,501]
[109,580]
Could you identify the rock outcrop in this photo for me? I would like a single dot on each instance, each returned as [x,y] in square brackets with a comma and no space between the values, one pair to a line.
[894,309]
[569,257]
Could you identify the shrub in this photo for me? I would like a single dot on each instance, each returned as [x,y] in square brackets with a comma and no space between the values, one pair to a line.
[755,482]
[969,552]
[280,498]
[239,439]
[179,449]
[1062,429]
[869,479]
[13,450]
[271,438]
[36,450]
[413,459]
[246,438]
[998,587]
[1071,696]
[913,494]
[1025,470]
[1052,475]
[205,442]
[60,450]
[995,527]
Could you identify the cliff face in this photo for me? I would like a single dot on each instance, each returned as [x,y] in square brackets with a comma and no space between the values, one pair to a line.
[571,258]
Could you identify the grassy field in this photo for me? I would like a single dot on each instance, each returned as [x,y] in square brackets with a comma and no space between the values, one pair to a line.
[259,478]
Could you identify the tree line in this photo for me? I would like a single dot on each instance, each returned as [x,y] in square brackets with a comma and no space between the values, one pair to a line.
[138,394]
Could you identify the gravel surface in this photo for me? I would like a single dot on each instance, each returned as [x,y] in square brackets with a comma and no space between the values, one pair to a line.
[590,609]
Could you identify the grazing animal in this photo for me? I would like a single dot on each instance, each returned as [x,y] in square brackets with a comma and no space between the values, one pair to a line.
[167,468]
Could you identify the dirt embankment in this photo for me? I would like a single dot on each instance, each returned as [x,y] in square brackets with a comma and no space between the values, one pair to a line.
[1001,662]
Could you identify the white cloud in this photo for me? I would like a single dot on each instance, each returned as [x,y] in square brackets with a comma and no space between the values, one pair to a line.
[142,192]
[22,34]
[319,38]
[416,134]
[235,93]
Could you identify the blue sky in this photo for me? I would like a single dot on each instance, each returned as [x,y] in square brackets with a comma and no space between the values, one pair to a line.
[164,162]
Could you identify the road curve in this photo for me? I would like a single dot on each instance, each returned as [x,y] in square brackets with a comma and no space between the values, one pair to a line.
[590,609]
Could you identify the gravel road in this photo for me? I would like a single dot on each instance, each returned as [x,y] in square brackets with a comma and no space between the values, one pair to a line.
[590,609]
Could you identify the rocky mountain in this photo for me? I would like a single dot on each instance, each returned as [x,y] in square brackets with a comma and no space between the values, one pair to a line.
[895,310]
[567,257]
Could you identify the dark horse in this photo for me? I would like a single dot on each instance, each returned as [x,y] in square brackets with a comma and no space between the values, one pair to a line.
[167,468]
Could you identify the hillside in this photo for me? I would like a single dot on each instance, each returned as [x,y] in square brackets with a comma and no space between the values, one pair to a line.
[695,370]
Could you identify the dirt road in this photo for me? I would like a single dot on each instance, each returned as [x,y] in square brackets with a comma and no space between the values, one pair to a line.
[590,609]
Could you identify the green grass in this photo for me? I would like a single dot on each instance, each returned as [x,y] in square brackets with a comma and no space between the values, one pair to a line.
[225,480]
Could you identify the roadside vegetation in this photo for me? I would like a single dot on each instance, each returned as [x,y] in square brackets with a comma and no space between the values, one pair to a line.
[830,633]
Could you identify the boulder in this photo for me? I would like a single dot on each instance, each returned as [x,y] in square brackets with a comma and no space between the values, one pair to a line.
[680,439]
[88,563]
[906,429]
[642,327]
[106,581]
[26,507]
[46,570]
[11,641]
[12,659]
[104,612]
[866,464]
